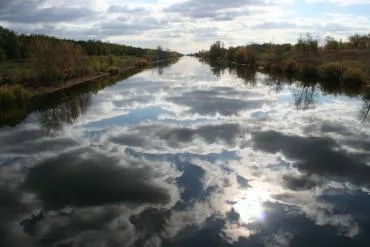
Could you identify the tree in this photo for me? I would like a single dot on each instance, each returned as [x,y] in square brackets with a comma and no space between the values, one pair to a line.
[307,46]
[359,41]
[230,54]
[2,54]
[244,55]
[331,44]
[217,50]
[9,43]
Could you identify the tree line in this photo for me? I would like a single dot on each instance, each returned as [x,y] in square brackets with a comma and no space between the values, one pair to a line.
[19,46]
[33,62]
[336,59]
[35,59]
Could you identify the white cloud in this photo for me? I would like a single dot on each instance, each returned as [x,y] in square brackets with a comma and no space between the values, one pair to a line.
[187,26]
[341,2]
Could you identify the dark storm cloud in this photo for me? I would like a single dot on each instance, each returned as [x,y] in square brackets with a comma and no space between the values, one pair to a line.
[33,12]
[315,156]
[86,177]
[210,8]
[177,136]
[204,103]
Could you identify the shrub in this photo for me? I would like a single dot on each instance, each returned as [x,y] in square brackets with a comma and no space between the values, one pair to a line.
[113,70]
[13,94]
[7,96]
[290,66]
[277,67]
[142,63]
[243,55]
[352,75]
[332,71]
[21,94]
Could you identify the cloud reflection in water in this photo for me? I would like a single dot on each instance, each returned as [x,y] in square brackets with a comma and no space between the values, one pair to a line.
[187,157]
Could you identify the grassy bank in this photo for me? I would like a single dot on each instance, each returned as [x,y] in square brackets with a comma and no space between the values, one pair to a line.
[68,99]
[21,93]
[335,61]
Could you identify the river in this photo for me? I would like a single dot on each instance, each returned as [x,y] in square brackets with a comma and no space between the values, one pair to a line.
[189,155]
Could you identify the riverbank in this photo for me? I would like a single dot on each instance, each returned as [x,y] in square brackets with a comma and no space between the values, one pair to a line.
[25,101]
[31,65]
[19,94]
[335,71]
[336,61]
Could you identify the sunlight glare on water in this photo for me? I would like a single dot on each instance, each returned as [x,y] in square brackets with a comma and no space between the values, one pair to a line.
[250,206]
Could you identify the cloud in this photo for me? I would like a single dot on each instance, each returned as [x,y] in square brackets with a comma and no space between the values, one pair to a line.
[206,103]
[316,155]
[341,3]
[27,142]
[11,208]
[211,8]
[164,136]
[33,12]
[127,9]
[88,178]
[182,176]
[275,25]
[172,24]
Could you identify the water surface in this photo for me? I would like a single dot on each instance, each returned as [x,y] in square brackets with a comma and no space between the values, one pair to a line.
[190,155]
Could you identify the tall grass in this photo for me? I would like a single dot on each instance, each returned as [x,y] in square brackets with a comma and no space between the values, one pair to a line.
[332,72]
[10,94]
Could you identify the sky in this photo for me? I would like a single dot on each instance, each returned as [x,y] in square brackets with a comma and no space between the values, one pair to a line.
[187,25]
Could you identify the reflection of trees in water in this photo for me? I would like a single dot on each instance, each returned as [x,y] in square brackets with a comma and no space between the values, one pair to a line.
[304,97]
[248,75]
[275,83]
[218,68]
[337,88]
[365,110]
[160,69]
[164,64]
[68,112]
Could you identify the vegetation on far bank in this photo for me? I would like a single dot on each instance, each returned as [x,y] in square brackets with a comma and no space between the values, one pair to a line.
[336,61]
[31,64]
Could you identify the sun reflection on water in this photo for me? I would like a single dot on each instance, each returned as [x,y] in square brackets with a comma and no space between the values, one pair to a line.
[250,206]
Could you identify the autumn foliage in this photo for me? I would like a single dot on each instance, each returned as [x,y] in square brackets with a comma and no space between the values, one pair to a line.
[58,60]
